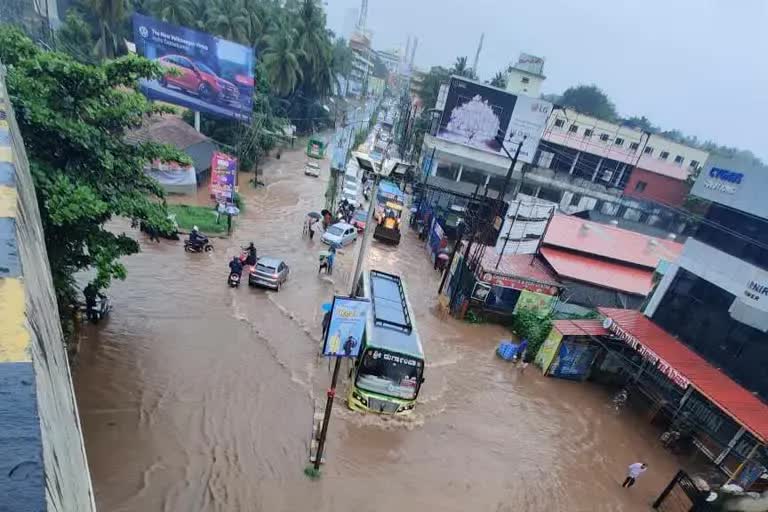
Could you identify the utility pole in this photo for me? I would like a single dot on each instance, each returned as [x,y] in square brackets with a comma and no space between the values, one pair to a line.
[506,184]
[331,394]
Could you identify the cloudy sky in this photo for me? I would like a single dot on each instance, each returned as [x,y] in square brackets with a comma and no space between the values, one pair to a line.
[697,65]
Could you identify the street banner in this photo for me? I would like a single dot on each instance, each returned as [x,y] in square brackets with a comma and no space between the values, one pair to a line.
[344,335]
[206,73]
[223,176]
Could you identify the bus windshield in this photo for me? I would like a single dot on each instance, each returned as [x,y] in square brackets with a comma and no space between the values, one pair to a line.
[390,374]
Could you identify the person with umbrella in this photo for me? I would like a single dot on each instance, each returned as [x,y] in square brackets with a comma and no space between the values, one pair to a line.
[309,224]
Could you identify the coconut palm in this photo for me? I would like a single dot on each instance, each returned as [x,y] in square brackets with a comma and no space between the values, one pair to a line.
[110,15]
[499,80]
[178,12]
[461,68]
[281,62]
[229,19]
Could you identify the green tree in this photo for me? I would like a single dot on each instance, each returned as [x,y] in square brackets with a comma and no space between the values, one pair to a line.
[591,100]
[73,118]
[499,80]
[461,68]
[281,62]
[178,12]
[109,16]
[230,20]
[430,86]
[75,37]
[342,58]
[640,123]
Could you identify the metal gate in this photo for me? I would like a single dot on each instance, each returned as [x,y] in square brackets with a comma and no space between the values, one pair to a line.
[681,495]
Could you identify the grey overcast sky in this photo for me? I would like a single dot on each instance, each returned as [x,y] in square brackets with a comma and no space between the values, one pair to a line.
[700,66]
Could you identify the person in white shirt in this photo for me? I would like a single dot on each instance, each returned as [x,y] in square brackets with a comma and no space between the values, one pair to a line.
[634,471]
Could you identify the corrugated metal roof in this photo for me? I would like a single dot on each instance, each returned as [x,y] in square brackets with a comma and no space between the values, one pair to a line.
[580,327]
[587,269]
[737,402]
[526,266]
[609,241]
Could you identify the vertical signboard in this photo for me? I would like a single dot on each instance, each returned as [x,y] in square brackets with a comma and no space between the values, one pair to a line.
[223,176]
[344,335]
[205,73]
[479,115]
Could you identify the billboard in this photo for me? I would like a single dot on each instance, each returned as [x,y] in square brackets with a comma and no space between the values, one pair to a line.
[210,74]
[474,114]
[223,176]
[345,330]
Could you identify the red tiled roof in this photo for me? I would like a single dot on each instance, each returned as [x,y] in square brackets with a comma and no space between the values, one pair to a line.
[609,241]
[519,265]
[580,327]
[737,402]
[613,275]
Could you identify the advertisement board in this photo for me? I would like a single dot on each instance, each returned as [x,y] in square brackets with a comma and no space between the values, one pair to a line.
[206,73]
[223,176]
[475,114]
[346,328]
[735,182]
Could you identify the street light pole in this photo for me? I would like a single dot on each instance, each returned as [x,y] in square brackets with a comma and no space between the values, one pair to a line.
[507,179]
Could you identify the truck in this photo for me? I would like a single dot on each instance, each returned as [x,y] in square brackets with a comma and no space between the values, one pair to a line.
[390,202]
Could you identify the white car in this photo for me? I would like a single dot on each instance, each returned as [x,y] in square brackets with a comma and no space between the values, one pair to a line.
[312,169]
[340,233]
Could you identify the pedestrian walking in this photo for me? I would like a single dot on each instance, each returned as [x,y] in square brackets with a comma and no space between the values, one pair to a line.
[633,472]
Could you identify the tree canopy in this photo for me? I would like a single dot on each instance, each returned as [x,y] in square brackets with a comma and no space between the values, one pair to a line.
[73,118]
[589,99]
[499,80]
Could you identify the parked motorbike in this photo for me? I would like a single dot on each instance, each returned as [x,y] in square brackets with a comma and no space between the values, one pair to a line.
[201,245]
[100,309]
[234,279]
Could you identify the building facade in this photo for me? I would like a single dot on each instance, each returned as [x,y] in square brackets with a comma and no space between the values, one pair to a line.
[527,76]
[715,298]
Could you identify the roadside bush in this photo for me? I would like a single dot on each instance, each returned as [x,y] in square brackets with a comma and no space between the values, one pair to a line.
[527,325]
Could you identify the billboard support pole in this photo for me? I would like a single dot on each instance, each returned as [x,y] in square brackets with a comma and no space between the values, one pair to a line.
[327,416]
[197,121]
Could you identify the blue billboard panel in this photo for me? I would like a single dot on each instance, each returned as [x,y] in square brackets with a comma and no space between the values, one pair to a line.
[344,336]
[208,74]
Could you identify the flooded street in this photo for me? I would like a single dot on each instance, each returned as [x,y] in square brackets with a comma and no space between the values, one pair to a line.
[197,397]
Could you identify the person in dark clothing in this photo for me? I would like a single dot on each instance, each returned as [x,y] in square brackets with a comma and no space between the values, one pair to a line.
[251,258]
[92,295]
[326,322]
[349,346]
[235,266]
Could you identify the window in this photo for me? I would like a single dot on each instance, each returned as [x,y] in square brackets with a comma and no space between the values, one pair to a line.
[573,129]
[525,80]
[588,132]
[619,141]
[679,160]
[448,171]
[648,150]
[575,199]
[604,137]
[607,175]
[640,186]
[663,155]
[634,146]
[694,164]
[559,123]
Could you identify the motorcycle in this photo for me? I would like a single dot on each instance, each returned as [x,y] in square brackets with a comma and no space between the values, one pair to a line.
[234,279]
[201,245]
[100,310]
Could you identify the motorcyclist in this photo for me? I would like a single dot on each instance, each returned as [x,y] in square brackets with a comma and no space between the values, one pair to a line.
[92,295]
[235,266]
[250,258]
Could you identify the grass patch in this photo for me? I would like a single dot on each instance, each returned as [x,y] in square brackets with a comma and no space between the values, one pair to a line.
[312,473]
[201,216]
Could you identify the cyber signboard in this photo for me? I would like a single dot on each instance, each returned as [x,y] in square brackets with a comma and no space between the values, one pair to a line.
[475,114]
[206,74]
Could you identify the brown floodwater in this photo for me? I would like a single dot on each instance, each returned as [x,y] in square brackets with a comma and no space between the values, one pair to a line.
[198,397]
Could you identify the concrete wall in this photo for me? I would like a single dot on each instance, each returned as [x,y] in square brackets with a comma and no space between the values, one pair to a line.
[663,189]
[42,459]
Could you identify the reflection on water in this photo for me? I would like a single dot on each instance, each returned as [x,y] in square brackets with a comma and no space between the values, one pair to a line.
[198,397]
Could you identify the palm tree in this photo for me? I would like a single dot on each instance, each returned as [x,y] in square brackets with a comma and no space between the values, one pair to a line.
[499,80]
[229,19]
[281,62]
[460,68]
[178,12]
[109,15]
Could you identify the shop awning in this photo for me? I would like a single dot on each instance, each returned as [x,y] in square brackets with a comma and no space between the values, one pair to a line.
[684,367]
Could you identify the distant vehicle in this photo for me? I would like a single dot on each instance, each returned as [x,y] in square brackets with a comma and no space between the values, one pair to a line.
[269,272]
[359,219]
[390,371]
[340,233]
[197,78]
[316,147]
[312,168]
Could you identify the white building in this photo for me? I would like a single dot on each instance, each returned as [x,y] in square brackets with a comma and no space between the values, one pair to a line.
[526,76]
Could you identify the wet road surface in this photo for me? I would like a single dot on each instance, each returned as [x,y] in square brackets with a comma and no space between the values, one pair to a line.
[198,397]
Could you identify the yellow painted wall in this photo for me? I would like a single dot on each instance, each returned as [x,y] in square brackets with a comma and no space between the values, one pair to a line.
[548,350]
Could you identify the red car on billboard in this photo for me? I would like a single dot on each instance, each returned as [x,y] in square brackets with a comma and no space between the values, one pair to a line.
[197,78]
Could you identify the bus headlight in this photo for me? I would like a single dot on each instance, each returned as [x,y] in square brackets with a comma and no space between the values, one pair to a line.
[406,407]
[360,398]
